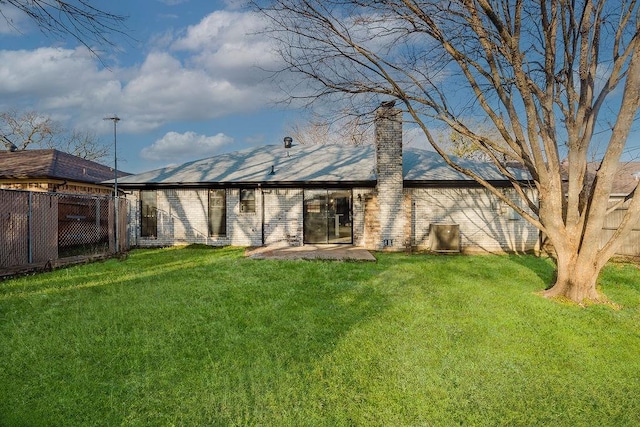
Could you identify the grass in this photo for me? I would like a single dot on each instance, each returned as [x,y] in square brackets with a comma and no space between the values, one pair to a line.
[206,337]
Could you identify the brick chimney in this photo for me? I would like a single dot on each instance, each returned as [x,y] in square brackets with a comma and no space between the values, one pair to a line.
[388,137]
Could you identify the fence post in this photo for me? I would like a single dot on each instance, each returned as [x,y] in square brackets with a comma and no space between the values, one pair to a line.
[97,219]
[30,229]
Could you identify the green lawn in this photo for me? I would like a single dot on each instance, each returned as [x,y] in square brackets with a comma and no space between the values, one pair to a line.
[195,336]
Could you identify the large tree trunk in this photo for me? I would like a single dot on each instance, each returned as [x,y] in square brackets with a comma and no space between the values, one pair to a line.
[533,71]
[576,277]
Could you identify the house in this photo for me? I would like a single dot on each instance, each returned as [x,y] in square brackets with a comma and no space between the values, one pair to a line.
[376,197]
[50,170]
[54,205]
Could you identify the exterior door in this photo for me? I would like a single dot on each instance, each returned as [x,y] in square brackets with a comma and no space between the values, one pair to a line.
[327,216]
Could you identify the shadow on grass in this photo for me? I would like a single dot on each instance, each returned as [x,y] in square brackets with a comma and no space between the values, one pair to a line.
[543,267]
[201,337]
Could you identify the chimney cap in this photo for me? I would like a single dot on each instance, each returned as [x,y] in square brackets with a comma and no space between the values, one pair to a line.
[288,142]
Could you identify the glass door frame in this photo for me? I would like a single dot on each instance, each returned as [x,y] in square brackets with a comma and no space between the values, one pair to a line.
[330,219]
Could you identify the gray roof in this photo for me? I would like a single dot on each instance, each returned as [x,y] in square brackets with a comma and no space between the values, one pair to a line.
[428,166]
[274,164]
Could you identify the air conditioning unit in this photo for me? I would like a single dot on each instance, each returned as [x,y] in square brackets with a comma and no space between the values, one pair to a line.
[444,237]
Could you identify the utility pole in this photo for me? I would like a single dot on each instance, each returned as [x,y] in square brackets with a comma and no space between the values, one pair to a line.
[115,119]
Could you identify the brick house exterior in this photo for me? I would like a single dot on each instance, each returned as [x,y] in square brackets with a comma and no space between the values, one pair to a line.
[376,197]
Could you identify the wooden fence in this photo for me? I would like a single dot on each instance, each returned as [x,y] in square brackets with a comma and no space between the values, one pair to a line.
[631,243]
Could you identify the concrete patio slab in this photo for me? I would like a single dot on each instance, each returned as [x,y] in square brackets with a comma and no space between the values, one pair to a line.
[325,252]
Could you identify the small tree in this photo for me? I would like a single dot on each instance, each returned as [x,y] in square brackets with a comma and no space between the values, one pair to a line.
[547,74]
[462,146]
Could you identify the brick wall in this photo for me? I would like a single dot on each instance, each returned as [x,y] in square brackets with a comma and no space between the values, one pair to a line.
[283,216]
[361,214]
[243,228]
[486,224]
[371,227]
[390,196]
[183,218]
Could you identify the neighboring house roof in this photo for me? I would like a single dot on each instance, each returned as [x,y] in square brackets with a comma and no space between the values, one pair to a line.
[624,182]
[52,164]
[626,178]
[304,164]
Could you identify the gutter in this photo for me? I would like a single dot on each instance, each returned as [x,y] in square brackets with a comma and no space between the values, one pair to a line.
[283,184]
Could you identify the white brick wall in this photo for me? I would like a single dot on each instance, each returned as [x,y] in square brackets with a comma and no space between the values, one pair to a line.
[283,216]
[243,228]
[486,224]
[183,218]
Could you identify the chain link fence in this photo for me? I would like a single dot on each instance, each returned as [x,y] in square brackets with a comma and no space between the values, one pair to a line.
[40,227]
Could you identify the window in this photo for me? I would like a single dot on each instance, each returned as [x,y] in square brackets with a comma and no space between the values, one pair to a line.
[217,213]
[248,201]
[148,214]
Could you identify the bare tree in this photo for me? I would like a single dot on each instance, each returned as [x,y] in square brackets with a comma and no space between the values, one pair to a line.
[29,129]
[87,24]
[547,74]
[85,144]
[351,130]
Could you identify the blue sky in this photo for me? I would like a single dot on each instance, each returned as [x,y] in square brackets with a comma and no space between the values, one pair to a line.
[190,83]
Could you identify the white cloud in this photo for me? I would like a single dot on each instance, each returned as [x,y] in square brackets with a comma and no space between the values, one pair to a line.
[230,45]
[211,71]
[217,29]
[47,73]
[165,90]
[181,147]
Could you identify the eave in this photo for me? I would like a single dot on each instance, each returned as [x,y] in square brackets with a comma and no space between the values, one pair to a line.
[250,184]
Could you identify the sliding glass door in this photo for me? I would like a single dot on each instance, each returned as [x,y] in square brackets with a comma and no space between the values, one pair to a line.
[327,216]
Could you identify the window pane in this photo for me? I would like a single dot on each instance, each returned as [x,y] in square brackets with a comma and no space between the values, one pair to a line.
[217,213]
[148,214]
[248,201]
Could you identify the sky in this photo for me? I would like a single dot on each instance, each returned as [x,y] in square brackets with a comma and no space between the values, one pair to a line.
[190,81]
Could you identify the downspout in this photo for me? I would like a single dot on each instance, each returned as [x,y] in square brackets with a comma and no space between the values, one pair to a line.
[261,214]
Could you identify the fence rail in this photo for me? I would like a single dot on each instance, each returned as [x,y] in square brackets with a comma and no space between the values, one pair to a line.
[630,245]
[38,227]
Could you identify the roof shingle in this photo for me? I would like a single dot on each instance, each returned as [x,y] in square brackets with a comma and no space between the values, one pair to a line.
[52,164]
[273,164]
